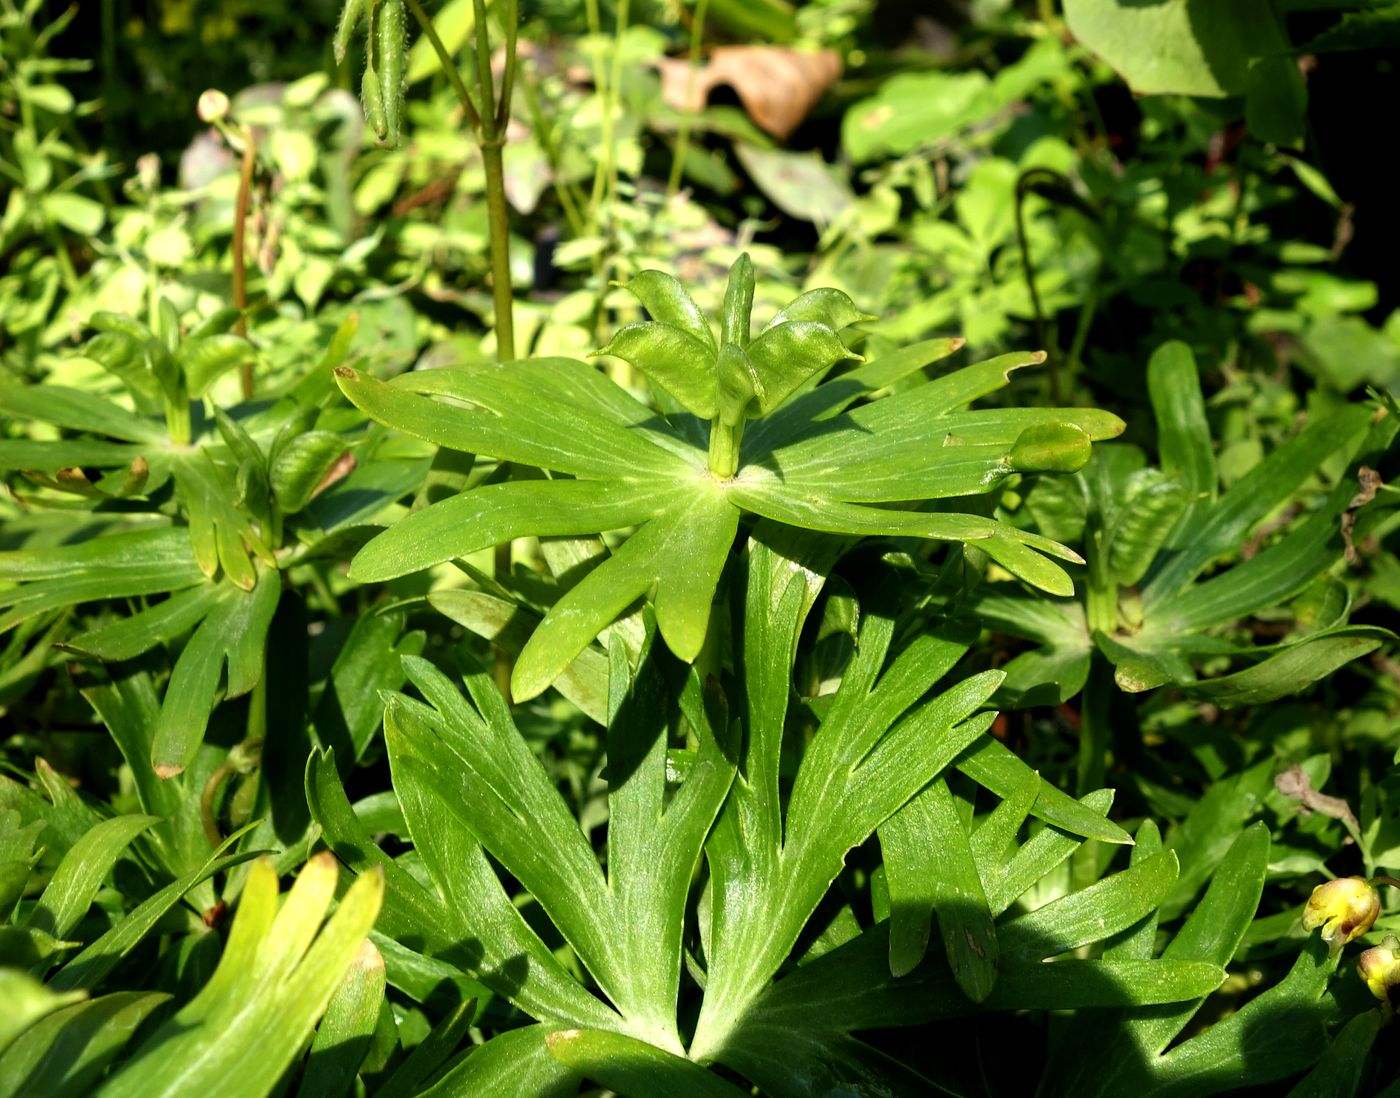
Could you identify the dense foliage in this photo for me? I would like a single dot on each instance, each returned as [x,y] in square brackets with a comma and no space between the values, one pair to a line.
[696,548]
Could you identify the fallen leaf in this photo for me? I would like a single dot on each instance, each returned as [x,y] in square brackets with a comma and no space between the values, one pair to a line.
[777,86]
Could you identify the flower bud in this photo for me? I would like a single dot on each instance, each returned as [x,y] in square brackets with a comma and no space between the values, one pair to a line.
[148,172]
[1345,908]
[213,105]
[1380,967]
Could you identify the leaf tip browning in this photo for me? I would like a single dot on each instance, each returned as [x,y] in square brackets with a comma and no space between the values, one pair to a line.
[368,959]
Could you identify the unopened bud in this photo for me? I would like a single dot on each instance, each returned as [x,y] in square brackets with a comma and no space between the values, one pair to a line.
[213,105]
[1345,908]
[1380,967]
[148,172]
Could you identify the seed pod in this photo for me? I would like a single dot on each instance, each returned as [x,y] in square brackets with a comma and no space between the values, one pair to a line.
[374,103]
[371,90]
[350,16]
[393,55]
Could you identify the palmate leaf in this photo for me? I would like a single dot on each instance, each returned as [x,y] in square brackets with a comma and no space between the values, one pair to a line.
[625,925]
[884,738]
[795,1039]
[230,631]
[620,465]
[469,786]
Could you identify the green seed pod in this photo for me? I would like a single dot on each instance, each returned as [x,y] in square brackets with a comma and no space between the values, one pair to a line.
[371,88]
[350,16]
[393,63]
[374,103]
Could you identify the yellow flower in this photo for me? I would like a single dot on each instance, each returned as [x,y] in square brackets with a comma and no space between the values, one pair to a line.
[1345,908]
[1380,967]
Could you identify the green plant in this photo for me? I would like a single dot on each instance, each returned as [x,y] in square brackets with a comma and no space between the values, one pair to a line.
[1156,594]
[769,833]
[50,208]
[806,462]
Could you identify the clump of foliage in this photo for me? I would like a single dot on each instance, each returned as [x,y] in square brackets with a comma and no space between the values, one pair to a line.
[405,503]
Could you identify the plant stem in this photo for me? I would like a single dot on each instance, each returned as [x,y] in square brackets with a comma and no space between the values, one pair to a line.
[484,84]
[724,448]
[614,86]
[498,217]
[493,137]
[1023,244]
[1101,598]
[600,87]
[489,123]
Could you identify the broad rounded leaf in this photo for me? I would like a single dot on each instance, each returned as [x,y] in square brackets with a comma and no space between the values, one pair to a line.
[299,466]
[668,303]
[825,306]
[788,354]
[75,211]
[671,358]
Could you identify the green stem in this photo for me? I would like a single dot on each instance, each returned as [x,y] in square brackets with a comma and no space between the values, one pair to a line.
[614,85]
[724,448]
[1081,336]
[66,270]
[177,420]
[493,137]
[1101,600]
[508,75]
[600,87]
[484,84]
[498,215]
[489,124]
[1094,737]
[1023,244]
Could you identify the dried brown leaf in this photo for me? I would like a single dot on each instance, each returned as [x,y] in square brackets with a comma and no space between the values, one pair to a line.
[777,86]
